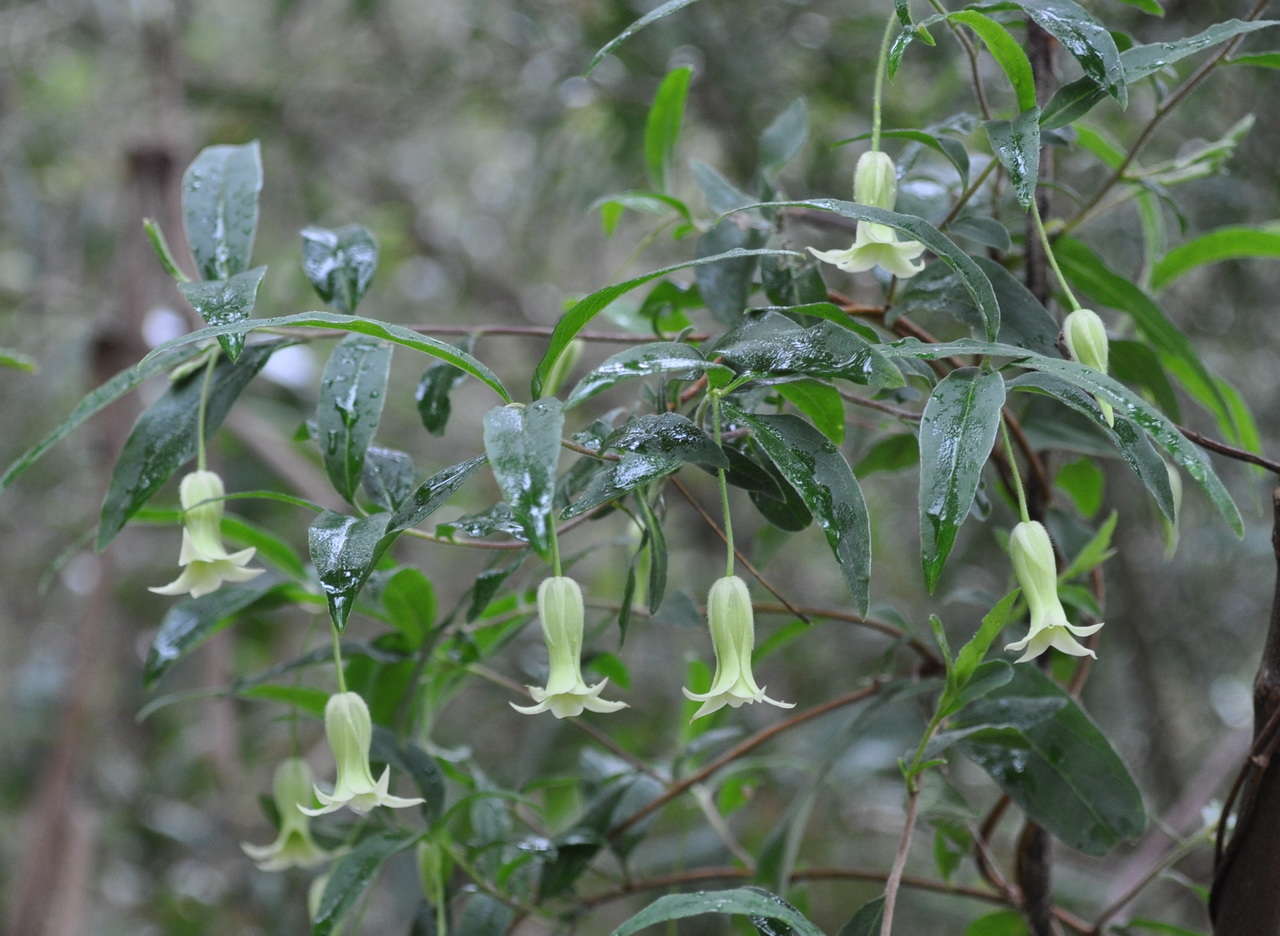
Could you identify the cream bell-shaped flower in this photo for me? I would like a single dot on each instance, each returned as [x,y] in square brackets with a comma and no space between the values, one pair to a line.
[206,564]
[1037,573]
[1086,339]
[733,637]
[875,183]
[349,729]
[293,846]
[566,695]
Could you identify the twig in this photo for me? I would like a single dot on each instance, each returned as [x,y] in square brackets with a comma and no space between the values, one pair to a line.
[489,544]
[520,331]
[900,860]
[1230,451]
[887,408]
[1171,858]
[874,624]
[968,193]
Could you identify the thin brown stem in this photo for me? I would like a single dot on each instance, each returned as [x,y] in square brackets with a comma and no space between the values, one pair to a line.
[488,544]
[894,880]
[968,193]
[1230,451]
[887,408]
[518,331]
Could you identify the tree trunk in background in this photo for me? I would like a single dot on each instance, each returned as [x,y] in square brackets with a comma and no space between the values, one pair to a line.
[1245,899]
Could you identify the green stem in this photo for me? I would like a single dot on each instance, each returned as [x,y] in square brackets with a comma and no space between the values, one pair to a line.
[556,568]
[204,405]
[1053,260]
[337,658]
[1013,470]
[724,490]
[881,64]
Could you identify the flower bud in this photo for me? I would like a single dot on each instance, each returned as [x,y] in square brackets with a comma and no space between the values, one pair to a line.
[1086,339]
[875,183]
[731,620]
[1037,573]
[875,180]
[205,562]
[566,694]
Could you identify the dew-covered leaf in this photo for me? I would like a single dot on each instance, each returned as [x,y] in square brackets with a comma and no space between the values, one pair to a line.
[340,263]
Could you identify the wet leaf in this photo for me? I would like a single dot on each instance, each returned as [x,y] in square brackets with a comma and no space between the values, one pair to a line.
[523,445]
[220,208]
[340,263]
[344,551]
[432,494]
[668,434]
[351,876]
[388,477]
[352,393]
[679,361]
[1016,144]
[662,128]
[224,302]
[741,901]
[770,345]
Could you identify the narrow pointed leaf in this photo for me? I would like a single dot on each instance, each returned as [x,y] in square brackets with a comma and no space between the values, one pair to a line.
[388,477]
[352,393]
[662,128]
[741,901]
[340,263]
[523,445]
[220,208]
[224,302]
[773,346]
[784,136]
[1085,38]
[670,434]
[1016,144]
[661,11]
[344,551]
[1228,243]
[432,494]
[679,361]
[352,874]
[1007,53]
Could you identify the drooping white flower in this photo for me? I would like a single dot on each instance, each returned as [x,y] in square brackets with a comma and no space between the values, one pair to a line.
[1037,573]
[1086,339]
[875,183]
[293,846]
[566,694]
[733,636]
[349,729]
[205,562]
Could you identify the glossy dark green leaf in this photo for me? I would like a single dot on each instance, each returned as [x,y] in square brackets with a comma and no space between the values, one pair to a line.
[892,453]
[432,494]
[340,263]
[1024,321]
[661,11]
[1050,758]
[866,922]
[825,482]
[744,472]
[975,281]
[662,128]
[410,600]
[1016,144]
[189,623]
[351,876]
[224,302]
[785,510]
[772,346]
[484,915]
[985,231]
[622,477]
[741,901]
[1132,445]
[680,361]
[344,551]
[789,281]
[434,391]
[953,150]
[957,432]
[1133,362]
[523,445]
[586,309]
[389,477]
[725,287]
[669,434]
[220,208]
[164,437]
[1225,243]
[656,544]
[1085,38]
[408,759]
[352,393]
[820,402]
[785,136]
[1007,53]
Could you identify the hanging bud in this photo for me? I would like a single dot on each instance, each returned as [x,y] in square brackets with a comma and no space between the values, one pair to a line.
[560,610]
[1086,339]
[293,846]
[733,636]
[1037,574]
[875,183]
[205,562]
[349,730]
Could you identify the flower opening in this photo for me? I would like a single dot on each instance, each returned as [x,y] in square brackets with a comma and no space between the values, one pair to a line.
[1037,573]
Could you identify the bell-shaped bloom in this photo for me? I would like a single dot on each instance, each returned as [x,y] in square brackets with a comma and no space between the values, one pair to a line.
[293,846]
[875,183]
[1037,573]
[560,610]
[1086,339]
[205,562]
[733,637]
[349,729]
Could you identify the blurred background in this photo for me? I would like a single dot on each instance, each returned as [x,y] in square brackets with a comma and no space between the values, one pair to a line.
[466,137]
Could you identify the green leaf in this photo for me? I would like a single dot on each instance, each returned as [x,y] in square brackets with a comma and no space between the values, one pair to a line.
[824,481]
[662,128]
[410,600]
[485,915]
[820,402]
[784,137]
[1083,481]
[892,453]
[352,875]
[299,697]
[344,551]
[975,281]
[1093,553]
[397,334]
[164,437]
[433,390]
[432,494]
[352,392]
[1000,923]
[1049,757]
[957,432]
[741,901]
[523,445]
[866,922]
[188,624]
[225,302]
[721,194]
[659,12]
[975,649]
[769,345]
[725,287]
[340,263]
[1147,6]
[620,478]
[1226,243]
[953,150]
[1260,59]
[1128,439]
[680,361]
[11,357]
[220,208]
[985,231]
[1007,53]
[586,309]
[1085,38]
[669,434]
[611,207]
[388,477]
[1016,144]
[1133,362]
[1154,926]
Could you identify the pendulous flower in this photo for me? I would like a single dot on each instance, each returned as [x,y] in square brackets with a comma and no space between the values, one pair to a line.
[206,564]
[349,729]
[1086,339]
[875,183]
[733,637]
[293,846]
[1037,573]
[560,610]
